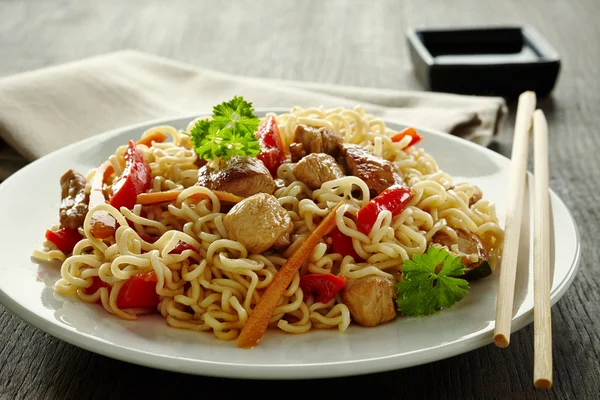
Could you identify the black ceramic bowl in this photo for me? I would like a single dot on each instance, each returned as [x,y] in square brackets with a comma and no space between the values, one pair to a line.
[499,61]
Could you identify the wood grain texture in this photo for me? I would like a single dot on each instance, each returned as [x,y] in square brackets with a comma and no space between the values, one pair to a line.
[542,324]
[347,42]
[514,216]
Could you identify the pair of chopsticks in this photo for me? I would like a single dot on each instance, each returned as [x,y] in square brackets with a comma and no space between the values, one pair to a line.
[527,118]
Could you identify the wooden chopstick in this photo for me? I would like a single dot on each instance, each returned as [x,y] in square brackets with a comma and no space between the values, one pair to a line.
[542,371]
[512,228]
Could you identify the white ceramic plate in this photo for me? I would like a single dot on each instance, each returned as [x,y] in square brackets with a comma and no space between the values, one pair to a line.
[29,202]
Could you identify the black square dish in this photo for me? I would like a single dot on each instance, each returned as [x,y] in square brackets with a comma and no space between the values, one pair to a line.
[497,61]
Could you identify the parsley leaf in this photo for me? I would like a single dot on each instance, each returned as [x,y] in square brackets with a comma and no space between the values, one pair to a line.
[429,283]
[229,133]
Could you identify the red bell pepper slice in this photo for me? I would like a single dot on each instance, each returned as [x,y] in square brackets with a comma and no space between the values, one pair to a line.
[136,179]
[65,239]
[394,199]
[412,132]
[271,152]
[138,292]
[148,238]
[97,283]
[143,235]
[322,286]
[342,244]
[181,246]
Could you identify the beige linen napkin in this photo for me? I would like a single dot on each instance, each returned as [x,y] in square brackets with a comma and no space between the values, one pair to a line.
[44,110]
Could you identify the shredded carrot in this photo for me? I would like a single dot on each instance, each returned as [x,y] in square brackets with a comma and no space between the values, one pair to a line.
[157,197]
[157,137]
[109,171]
[258,321]
[103,225]
[171,195]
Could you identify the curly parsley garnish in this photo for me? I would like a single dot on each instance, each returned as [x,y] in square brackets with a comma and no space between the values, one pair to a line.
[229,133]
[429,283]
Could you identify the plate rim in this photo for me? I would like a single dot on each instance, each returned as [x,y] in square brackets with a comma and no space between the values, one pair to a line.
[273,371]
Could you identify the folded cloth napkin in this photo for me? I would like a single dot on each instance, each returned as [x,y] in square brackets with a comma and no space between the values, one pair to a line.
[44,110]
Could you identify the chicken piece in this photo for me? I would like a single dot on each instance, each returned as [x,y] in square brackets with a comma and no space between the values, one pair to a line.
[316,140]
[378,174]
[370,299]
[258,222]
[297,152]
[316,169]
[468,243]
[75,200]
[477,195]
[200,162]
[279,184]
[242,176]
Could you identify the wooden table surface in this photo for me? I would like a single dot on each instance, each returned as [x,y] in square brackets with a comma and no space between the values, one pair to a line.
[344,42]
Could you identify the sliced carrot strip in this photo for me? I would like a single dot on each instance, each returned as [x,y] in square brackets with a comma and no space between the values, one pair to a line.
[410,131]
[103,225]
[157,137]
[109,171]
[157,197]
[258,321]
[171,195]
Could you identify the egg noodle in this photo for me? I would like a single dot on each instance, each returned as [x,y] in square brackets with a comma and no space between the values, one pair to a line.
[216,289]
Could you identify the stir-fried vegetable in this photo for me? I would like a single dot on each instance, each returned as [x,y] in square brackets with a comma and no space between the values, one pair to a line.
[181,246]
[64,239]
[136,179]
[138,292]
[430,282]
[394,199]
[342,244]
[258,321]
[481,271]
[412,132]
[322,286]
[157,137]
[271,152]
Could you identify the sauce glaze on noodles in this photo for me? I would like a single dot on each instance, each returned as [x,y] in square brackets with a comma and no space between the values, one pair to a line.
[217,289]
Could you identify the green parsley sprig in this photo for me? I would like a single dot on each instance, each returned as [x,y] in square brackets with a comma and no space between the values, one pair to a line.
[229,133]
[429,283]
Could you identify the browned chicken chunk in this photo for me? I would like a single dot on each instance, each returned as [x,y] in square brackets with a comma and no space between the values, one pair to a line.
[242,176]
[74,205]
[468,243]
[258,222]
[316,140]
[297,152]
[477,195]
[378,174]
[316,169]
[370,300]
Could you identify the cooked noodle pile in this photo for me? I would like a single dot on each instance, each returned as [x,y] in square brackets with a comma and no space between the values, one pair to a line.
[216,289]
